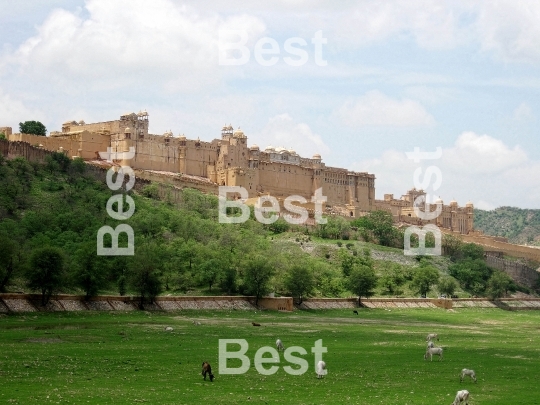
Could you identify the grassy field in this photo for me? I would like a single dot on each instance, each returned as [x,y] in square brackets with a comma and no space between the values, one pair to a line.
[375,357]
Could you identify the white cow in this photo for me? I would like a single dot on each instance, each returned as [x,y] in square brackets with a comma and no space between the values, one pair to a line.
[321,369]
[461,396]
[437,351]
[279,345]
[468,372]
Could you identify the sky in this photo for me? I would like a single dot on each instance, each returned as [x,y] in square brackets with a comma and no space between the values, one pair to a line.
[359,82]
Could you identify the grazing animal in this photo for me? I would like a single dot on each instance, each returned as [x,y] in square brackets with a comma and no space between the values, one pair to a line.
[430,344]
[197,323]
[437,351]
[207,369]
[169,329]
[321,369]
[461,396]
[255,324]
[468,372]
[432,336]
[279,345]
[355,312]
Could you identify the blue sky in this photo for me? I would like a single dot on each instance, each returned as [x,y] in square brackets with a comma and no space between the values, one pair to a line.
[460,75]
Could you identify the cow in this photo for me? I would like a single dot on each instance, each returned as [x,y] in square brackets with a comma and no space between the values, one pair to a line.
[207,369]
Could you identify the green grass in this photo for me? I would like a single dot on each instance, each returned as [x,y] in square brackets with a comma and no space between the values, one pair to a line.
[373,358]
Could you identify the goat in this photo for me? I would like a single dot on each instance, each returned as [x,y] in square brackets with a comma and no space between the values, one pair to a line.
[207,369]
[355,312]
[255,324]
[438,351]
[321,369]
[430,344]
[432,336]
[196,323]
[279,345]
[461,396]
[468,372]
[169,329]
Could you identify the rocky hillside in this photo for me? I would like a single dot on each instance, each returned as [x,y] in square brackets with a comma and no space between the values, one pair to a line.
[521,226]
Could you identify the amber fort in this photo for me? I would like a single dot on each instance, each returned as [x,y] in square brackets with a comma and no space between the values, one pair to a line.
[230,160]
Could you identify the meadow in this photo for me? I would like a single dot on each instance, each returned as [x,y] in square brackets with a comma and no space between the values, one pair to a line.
[375,357]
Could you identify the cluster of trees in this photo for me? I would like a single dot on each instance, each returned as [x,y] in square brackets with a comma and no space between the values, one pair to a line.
[472,272]
[50,214]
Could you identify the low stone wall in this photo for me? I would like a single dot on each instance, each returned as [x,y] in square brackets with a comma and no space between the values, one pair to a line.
[32,303]
[389,303]
[61,302]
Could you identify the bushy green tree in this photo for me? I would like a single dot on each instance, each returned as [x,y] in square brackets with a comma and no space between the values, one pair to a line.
[381,224]
[89,270]
[361,281]
[145,270]
[424,277]
[300,281]
[472,274]
[392,278]
[447,285]
[8,260]
[33,128]
[498,285]
[46,271]
[257,274]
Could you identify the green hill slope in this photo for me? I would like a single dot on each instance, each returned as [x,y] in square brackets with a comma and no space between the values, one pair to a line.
[521,226]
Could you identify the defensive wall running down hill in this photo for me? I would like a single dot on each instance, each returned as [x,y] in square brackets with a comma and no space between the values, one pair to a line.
[519,272]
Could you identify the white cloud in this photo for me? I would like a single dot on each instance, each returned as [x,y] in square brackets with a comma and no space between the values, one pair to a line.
[482,154]
[479,168]
[132,42]
[283,131]
[376,109]
[510,29]
[13,111]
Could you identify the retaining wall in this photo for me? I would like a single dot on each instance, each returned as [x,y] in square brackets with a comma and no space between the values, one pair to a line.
[32,303]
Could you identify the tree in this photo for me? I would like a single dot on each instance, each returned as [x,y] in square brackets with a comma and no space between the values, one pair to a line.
[8,254]
[472,251]
[257,275]
[145,267]
[33,128]
[471,274]
[46,271]
[447,285]
[424,277]
[2,135]
[210,272]
[381,223]
[393,277]
[89,272]
[361,281]
[300,281]
[498,285]
[452,246]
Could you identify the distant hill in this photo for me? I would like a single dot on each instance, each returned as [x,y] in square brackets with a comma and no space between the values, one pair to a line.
[520,226]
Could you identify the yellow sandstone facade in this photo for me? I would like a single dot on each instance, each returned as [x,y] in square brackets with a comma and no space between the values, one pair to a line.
[452,217]
[227,161]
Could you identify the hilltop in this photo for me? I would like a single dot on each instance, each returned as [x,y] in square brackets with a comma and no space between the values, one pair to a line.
[520,226]
[50,214]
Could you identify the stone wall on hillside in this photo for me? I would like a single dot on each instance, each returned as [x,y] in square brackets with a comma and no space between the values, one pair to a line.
[519,272]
